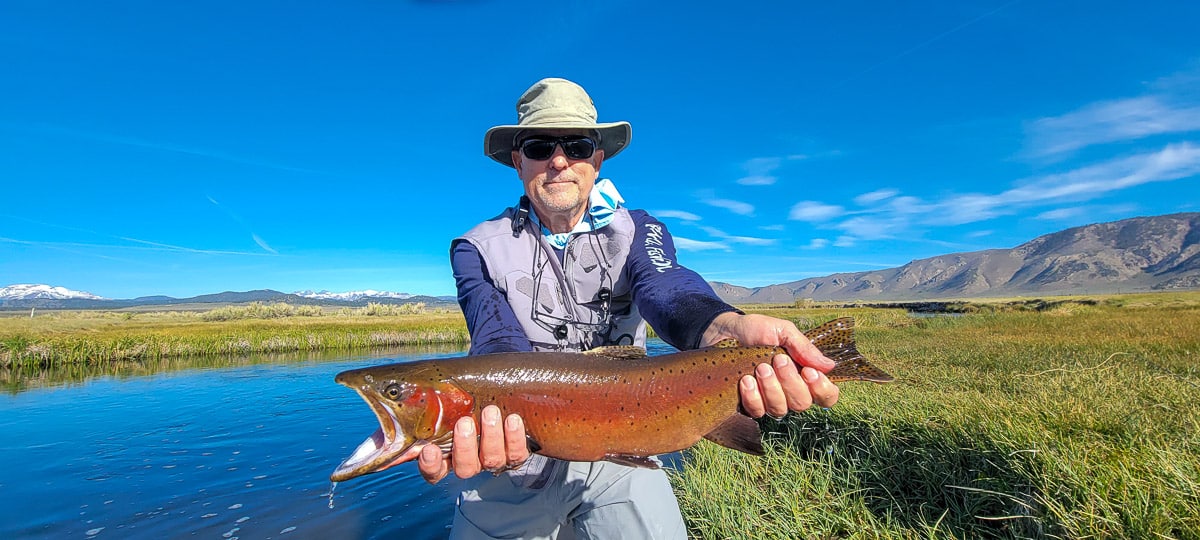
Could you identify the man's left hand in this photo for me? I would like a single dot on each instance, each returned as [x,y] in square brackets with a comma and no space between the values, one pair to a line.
[784,384]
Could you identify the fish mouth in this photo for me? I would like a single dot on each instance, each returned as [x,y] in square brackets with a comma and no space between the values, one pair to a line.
[384,449]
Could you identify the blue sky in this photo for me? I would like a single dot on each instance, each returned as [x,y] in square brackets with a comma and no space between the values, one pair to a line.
[189,148]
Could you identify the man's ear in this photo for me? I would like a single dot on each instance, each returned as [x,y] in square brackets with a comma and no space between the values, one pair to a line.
[516,159]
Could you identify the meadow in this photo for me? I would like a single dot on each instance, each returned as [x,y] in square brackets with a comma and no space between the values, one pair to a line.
[1071,418]
[1076,421]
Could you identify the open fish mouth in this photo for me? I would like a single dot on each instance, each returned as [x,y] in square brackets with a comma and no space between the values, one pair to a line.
[385,448]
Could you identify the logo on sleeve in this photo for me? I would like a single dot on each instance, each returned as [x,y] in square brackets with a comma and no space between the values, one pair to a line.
[654,250]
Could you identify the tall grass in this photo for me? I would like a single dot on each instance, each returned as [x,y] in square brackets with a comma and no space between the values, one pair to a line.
[102,337]
[1081,421]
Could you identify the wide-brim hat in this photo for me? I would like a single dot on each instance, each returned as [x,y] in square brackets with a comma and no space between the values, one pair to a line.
[550,105]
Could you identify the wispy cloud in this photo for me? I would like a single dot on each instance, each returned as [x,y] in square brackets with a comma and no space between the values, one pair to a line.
[253,236]
[815,211]
[145,246]
[747,240]
[1111,121]
[898,215]
[760,171]
[875,196]
[737,207]
[687,244]
[676,214]
[164,147]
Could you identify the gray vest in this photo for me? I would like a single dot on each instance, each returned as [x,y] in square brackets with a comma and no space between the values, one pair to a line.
[584,302]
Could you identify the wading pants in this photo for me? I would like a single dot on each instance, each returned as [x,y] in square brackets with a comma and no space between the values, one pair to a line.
[551,499]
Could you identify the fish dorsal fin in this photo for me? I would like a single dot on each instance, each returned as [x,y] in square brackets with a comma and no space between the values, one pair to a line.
[620,352]
[739,432]
[836,340]
[728,343]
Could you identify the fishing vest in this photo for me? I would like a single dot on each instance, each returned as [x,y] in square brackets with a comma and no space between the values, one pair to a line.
[585,301]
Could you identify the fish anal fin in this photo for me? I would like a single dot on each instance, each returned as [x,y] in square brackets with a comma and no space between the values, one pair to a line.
[620,352]
[739,432]
[532,444]
[634,461]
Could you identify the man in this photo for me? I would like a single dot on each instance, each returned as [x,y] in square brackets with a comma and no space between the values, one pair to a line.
[570,268]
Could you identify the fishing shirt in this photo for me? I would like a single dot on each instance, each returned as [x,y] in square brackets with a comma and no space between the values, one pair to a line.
[674,300]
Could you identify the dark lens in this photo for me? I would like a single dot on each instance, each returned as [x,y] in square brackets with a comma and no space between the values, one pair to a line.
[538,149]
[581,148]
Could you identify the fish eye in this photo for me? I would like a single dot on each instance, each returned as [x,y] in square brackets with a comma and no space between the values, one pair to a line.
[392,391]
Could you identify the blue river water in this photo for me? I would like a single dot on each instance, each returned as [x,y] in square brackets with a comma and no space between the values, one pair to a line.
[232,452]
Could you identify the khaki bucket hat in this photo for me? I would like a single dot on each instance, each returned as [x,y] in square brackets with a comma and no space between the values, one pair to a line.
[555,104]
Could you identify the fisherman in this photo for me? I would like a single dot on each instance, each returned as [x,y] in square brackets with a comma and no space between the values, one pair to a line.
[569,268]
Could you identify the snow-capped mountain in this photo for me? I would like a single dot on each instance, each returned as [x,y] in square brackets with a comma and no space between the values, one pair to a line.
[352,296]
[26,291]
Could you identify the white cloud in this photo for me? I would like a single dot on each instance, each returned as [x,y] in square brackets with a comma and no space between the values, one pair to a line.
[737,207]
[756,180]
[844,241]
[687,244]
[748,240]
[875,196]
[759,171]
[898,216]
[814,211]
[1112,121]
[816,243]
[677,214]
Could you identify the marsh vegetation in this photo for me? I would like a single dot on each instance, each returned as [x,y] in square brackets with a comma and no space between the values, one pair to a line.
[1072,418]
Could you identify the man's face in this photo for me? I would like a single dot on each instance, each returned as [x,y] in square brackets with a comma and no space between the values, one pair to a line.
[559,186]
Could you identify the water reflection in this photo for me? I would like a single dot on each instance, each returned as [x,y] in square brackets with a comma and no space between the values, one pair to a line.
[234,447]
[17,379]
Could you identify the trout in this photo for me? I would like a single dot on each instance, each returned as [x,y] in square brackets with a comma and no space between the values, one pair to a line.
[610,403]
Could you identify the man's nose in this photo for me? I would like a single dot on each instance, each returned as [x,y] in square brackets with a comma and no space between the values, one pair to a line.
[558,159]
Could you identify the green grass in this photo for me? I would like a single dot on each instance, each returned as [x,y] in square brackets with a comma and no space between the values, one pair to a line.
[1080,421]
[98,338]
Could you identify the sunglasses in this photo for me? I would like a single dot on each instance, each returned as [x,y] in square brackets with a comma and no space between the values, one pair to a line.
[574,146]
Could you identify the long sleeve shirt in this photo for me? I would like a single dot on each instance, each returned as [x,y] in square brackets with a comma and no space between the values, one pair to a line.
[674,300]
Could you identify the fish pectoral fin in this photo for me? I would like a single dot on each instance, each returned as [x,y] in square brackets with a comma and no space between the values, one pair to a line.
[633,461]
[618,352]
[739,432]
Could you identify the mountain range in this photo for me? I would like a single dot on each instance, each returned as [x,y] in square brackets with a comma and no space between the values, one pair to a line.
[1137,254]
[25,296]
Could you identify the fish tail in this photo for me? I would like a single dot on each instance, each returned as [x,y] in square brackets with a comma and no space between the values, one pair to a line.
[836,340]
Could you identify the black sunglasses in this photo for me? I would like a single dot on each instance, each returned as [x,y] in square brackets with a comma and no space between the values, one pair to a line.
[574,146]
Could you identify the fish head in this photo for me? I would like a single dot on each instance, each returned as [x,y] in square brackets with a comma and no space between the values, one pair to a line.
[413,410]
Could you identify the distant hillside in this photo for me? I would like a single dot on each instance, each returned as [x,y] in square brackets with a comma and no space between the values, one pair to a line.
[1137,254]
[26,301]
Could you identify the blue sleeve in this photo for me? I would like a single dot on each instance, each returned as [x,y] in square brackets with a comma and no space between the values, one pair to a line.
[490,320]
[674,300]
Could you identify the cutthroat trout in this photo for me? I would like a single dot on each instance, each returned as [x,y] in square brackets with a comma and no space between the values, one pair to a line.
[610,403]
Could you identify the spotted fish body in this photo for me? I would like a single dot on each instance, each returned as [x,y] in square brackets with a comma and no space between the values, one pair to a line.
[612,403]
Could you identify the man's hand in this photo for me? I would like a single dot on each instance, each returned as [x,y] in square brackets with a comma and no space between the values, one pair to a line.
[780,386]
[494,449]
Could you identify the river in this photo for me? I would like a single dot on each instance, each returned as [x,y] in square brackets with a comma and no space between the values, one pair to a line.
[241,451]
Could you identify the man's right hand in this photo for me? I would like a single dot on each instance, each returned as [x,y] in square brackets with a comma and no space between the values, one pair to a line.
[495,447]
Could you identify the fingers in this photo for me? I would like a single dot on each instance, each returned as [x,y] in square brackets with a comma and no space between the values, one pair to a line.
[465,452]
[824,393]
[779,387]
[491,440]
[514,440]
[432,464]
[752,401]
